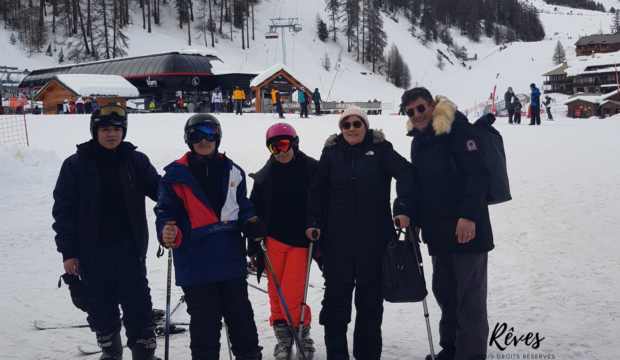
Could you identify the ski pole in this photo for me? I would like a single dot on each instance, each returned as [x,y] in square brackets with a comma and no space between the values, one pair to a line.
[416,249]
[315,235]
[166,347]
[288,314]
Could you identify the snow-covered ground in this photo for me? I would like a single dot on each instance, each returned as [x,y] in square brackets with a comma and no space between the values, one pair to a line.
[553,271]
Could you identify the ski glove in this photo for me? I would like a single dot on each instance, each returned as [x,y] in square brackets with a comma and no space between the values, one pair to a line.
[79,293]
[255,228]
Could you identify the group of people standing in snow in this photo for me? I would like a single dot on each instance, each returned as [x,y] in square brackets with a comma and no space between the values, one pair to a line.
[513,105]
[80,106]
[303,99]
[340,203]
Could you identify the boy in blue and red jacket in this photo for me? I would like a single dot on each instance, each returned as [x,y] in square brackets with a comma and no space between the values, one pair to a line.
[205,193]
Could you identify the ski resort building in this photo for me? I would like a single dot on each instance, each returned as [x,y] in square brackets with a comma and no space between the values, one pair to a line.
[194,72]
[595,74]
[108,89]
[287,82]
[598,44]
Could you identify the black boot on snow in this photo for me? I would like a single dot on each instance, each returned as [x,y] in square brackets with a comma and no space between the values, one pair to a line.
[283,333]
[307,344]
[443,355]
[144,348]
[256,354]
[111,345]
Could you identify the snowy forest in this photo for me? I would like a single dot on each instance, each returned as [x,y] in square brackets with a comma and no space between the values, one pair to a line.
[85,30]
[578,4]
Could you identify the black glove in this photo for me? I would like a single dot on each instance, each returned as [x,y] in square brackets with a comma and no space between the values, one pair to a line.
[79,292]
[255,228]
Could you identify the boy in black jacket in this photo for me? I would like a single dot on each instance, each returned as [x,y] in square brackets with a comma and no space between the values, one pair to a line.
[102,233]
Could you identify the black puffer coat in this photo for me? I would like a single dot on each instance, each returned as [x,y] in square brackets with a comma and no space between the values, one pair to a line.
[451,182]
[351,191]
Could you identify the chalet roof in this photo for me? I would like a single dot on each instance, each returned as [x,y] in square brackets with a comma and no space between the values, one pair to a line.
[265,75]
[558,71]
[599,39]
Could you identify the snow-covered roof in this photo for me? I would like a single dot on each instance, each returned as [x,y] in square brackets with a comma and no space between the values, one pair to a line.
[98,85]
[218,67]
[579,67]
[556,71]
[586,98]
[610,101]
[262,77]
[598,39]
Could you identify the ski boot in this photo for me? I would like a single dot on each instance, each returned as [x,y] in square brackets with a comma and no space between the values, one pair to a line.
[144,348]
[282,350]
[307,344]
[110,344]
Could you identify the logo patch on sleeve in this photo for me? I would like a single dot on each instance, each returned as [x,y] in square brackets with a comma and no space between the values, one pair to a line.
[471,145]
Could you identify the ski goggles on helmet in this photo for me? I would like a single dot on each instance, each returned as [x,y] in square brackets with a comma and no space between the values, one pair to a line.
[420,109]
[282,145]
[209,133]
[109,110]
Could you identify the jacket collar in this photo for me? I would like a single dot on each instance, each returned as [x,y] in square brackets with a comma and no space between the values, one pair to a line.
[263,174]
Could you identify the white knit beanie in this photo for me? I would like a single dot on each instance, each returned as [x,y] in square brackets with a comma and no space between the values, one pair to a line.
[354,110]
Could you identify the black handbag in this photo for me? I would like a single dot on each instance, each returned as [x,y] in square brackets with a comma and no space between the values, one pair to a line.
[403,275]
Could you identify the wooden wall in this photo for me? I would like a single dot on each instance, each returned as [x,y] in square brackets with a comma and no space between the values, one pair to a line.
[55,94]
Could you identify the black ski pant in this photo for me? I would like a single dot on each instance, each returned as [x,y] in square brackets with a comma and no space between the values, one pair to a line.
[238,106]
[116,275]
[279,109]
[549,116]
[206,304]
[304,110]
[317,108]
[535,111]
[511,113]
[336,315]
[460,288]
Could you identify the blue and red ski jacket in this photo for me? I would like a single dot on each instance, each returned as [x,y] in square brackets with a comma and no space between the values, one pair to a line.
[209,249]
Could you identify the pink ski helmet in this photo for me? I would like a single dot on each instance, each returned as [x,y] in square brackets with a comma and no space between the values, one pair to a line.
[281,131]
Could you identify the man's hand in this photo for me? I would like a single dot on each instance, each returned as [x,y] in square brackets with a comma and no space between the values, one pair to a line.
[404,221]
[72,266]
[169,235]
[465,230]
[310,231]
[253,260]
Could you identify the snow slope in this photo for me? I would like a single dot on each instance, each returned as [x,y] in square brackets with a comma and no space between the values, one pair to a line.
[465,87]
[553,271]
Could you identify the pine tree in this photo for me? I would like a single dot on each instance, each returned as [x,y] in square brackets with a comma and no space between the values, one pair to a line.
[61,57]
[559,55]
[440,63]
[327,64]
[406,76]
[376,37]
[615,23]
[322,31]
[334,15]
[49,50]
[12,40]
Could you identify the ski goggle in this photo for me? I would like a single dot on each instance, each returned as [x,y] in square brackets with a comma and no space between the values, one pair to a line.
[356,124]
[111,109]
[209,133]
[419,108]
[279,146]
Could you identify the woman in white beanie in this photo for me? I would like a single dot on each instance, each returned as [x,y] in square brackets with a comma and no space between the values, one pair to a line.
[349,206]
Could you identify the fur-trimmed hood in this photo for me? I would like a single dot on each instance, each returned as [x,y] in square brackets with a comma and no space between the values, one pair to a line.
[377,137]
[443,116]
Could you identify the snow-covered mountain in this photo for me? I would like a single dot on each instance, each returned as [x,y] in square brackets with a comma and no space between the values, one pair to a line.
[518,66]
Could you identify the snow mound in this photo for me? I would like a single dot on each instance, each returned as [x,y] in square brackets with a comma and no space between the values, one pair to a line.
[20,168]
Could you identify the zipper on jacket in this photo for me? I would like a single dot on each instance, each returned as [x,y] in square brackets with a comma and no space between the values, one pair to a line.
[133,225]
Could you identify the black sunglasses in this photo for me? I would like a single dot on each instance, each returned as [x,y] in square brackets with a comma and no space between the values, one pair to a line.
[419,108]
[356,124]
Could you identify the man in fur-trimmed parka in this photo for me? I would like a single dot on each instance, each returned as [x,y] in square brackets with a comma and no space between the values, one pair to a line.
[450,207]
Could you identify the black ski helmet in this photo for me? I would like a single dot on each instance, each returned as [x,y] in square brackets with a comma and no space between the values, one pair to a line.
[113,115]
[202,120]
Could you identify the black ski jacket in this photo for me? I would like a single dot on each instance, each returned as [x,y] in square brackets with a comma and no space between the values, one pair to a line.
[77,200]
[451,182]
[262,196]
[349,200]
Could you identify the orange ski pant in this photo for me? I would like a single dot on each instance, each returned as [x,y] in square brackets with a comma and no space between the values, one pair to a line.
[289,263]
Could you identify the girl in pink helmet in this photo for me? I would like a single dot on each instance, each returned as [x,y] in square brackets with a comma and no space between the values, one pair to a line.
[279,197]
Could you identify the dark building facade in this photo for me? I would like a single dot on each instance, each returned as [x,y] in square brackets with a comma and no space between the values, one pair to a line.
[597,44]
[158,76]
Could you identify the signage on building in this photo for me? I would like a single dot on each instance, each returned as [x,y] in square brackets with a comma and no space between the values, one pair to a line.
[151,83]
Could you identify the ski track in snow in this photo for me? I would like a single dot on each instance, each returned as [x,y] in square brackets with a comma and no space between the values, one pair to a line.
[552,272]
